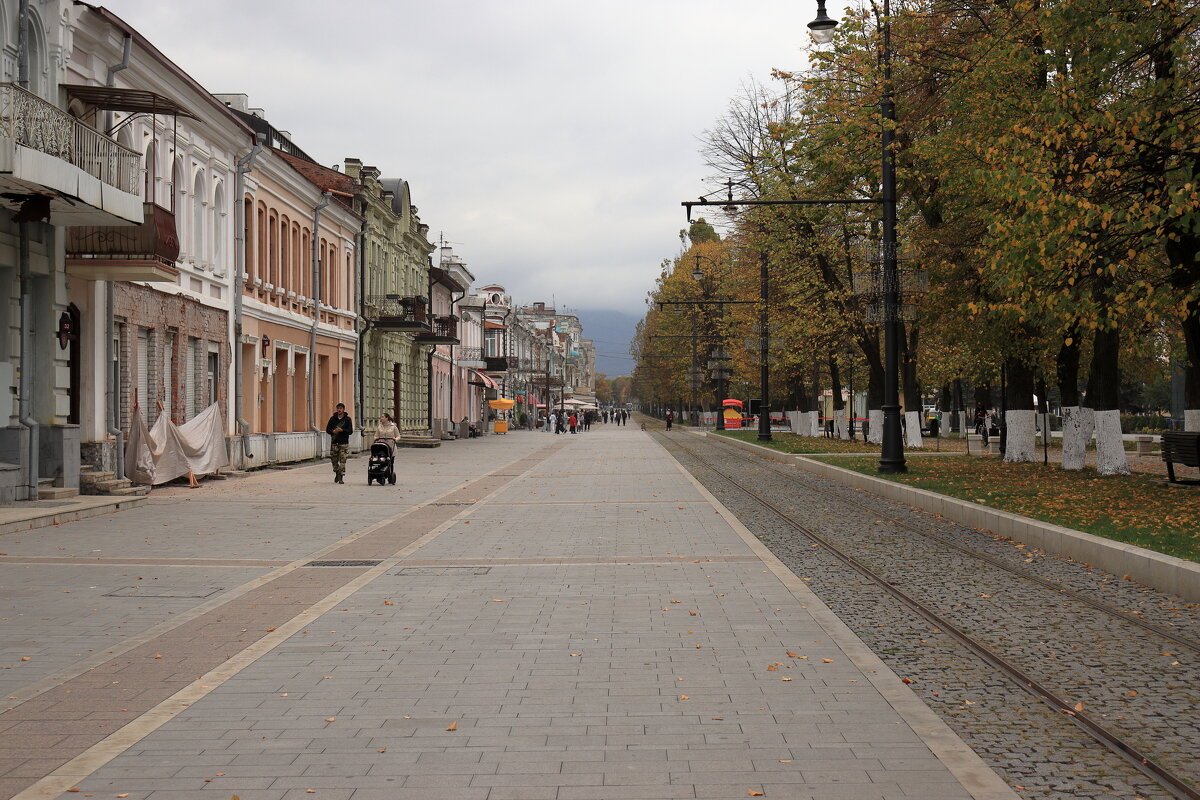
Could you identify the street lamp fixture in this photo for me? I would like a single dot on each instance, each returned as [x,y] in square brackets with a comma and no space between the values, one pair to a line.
[822,27]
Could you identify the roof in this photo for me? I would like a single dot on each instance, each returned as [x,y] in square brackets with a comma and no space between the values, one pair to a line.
[135,101]
[323,178]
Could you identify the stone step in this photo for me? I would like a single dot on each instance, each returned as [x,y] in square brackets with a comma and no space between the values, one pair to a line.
[55,493]
[128,491]
[418,441]
[110,485]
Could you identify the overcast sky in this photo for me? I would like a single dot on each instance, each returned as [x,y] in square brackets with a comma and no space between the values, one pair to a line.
[551,141]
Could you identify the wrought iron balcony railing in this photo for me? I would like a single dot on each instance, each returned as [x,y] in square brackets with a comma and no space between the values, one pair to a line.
[468,354]
[31,121]
[395,313]
[444,330]
[497,363]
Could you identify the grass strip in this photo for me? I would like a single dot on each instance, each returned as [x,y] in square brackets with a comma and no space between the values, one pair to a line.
[1136,509]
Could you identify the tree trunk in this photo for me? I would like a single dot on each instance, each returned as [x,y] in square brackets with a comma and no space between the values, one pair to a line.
[1019,415]
[839,405]
[1191,372]
[869,344]
[957,423]
[1066,367]
[1104,397]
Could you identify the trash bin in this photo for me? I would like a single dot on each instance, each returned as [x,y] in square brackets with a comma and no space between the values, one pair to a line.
[934,424]
[501,426]
[1145,445]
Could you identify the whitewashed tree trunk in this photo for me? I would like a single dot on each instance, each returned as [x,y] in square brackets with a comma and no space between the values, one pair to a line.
[875,426]
[1110,446]
[1074,443]
[1019,445]
[839,424]
[912,429]
[1191,419]
[963,424]
[1087,416]
[814,424]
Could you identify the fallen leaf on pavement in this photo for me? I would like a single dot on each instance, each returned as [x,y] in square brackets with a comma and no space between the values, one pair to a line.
[790,654]
[684,697]
[453,726]
[827,660]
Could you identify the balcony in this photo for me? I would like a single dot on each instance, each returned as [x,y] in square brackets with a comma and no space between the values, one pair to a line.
[469,357]
[145,252]
[443,331]
[55,168]
[497,363]
[391,312]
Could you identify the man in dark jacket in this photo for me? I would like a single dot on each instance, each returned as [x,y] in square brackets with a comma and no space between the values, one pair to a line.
[339,428]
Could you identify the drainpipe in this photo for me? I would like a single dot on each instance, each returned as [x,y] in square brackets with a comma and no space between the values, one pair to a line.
[429,362]
[244,165]
[312,339]
[360,282]
[27,363]
[110,380]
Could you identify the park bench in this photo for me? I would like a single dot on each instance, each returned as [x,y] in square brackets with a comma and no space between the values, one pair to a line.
[1181,447]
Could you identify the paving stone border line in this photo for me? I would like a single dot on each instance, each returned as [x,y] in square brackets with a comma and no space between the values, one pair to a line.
[1159,571]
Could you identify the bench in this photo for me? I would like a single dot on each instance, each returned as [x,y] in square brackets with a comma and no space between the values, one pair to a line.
[1181,447]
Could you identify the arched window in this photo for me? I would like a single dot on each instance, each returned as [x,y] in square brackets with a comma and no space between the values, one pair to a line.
[306,248]
[38,83]
[149,172]
[219,228]
[198,214]
[249,254]
[285,256]
[260,259]
[272,276]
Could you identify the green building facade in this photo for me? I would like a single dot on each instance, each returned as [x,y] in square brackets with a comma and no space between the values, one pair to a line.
[395,287]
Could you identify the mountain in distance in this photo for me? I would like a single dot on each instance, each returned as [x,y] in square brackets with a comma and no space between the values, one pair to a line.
[611,331]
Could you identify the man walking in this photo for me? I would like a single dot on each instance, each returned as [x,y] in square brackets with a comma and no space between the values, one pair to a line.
[339,428]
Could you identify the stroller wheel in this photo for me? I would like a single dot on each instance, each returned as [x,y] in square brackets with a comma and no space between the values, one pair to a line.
[391,479]
[369,479]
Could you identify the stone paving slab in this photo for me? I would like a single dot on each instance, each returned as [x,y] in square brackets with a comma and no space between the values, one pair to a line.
[590,626]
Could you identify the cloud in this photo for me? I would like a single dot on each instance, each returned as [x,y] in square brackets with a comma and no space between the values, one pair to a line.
[551,141]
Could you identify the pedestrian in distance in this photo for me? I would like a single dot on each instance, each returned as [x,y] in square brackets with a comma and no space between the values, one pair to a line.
[670,419]
[339,428]
[573,421]
[553,426]
[387,431]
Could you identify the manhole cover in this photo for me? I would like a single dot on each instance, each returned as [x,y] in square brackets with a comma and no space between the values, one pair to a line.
[351,563]
[160,591]
[441,571]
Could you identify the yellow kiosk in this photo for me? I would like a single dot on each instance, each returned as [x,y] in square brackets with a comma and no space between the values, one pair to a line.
[732,414]
[501,404]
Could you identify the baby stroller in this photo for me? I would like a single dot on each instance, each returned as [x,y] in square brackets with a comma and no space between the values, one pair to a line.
[381,466]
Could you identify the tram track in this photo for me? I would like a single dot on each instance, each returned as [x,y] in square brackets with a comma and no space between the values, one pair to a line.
[1172,636]
[1138,755]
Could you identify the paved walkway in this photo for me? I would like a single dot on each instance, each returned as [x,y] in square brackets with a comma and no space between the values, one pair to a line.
[525,616]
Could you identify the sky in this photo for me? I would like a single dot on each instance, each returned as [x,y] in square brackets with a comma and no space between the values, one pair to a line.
[549,141]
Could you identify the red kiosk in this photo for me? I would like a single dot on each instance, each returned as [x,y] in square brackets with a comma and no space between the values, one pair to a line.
[732,413]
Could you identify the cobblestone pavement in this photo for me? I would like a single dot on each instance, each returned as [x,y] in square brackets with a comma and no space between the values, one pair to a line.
[1137,683]
[580,622]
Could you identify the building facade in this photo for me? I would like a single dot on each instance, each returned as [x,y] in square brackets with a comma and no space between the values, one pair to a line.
[161,293]
[394,277]
[298,310]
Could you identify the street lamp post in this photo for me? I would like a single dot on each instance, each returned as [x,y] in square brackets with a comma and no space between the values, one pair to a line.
[764,411]
[891,458]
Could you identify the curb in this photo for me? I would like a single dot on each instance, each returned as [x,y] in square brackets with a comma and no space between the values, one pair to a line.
[1159,571]
[57,516]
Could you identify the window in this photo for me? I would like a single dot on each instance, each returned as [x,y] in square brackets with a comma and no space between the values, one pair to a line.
[214,377]
[198,210]
[218,246]
[168,379]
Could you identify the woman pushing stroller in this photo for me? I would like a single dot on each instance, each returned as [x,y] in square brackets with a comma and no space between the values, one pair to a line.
[381,465]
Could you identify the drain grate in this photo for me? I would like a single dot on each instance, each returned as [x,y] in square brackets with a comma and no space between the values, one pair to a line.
[348,563]
[441,571]
[159,591]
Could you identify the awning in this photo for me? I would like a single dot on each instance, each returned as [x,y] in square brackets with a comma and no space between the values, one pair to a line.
[501,403]
[134,101]
[483,381]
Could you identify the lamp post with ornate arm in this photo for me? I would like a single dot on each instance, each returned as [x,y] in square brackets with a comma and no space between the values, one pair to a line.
[892,456]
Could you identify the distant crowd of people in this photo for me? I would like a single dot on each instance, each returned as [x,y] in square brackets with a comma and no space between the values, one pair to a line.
[577,422]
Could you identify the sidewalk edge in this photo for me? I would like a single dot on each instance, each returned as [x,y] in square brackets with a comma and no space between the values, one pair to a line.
[975,776]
